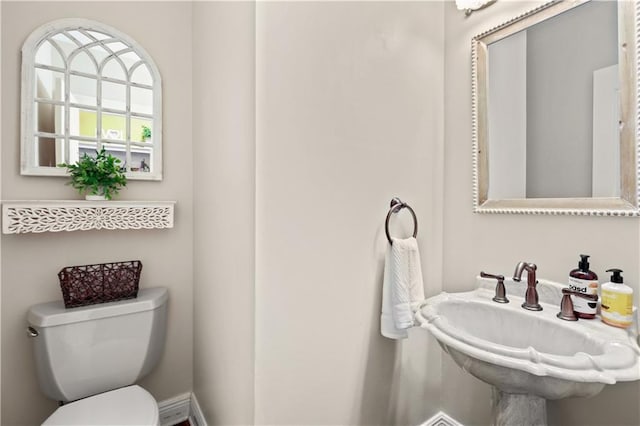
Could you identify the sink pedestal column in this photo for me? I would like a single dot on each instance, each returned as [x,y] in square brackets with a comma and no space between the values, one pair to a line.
[517,409]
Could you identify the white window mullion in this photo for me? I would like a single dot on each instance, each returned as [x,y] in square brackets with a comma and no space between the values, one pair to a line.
[67,114]
[128,124]
[99,111]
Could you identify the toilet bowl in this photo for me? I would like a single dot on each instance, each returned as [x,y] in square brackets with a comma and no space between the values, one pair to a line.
[131,405]
[90,357]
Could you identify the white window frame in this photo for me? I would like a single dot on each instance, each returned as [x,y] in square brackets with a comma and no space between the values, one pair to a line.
[28,163]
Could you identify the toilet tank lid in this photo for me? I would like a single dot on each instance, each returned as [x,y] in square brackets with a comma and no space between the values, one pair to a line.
[51,314]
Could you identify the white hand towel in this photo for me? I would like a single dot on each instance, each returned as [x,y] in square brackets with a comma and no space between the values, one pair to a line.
[402,288]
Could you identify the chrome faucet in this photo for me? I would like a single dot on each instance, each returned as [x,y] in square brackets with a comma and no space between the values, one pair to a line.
[531,295]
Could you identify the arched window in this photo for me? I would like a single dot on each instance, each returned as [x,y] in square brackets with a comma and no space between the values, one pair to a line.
[87,86]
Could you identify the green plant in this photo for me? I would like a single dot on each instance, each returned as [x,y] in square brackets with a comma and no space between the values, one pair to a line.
[99,175]
[146,132]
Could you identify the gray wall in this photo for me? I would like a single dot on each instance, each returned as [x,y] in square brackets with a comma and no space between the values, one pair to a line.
[224,209]
[348,115]
[562,54]
[30,262]
[303,139]
[1,236]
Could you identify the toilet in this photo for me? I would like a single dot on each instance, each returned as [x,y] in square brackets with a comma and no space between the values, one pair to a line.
[90,358]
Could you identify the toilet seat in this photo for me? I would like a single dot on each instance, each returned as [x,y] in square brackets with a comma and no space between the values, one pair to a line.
[131,405]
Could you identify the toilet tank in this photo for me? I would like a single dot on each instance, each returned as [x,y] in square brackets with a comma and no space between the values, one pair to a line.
[92,349]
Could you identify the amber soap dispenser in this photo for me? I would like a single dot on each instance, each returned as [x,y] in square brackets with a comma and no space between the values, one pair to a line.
[584,281]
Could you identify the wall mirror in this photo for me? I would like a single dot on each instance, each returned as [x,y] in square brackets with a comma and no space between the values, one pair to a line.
[554,111]
[87,86]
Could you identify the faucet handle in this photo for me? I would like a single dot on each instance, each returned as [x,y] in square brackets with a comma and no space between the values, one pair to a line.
[501,292]
[566,304]
[497,277]
[569,292]
[566,308]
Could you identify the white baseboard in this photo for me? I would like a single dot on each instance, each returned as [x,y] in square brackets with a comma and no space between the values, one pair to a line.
[196,412]
[175,410]
[185,406]
[180,408]
[441,419]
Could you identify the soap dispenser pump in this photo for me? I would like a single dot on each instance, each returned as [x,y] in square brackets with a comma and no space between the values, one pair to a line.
[617,301]
[584,281]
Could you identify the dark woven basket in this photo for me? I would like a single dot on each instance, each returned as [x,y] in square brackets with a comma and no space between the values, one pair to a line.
[100,283]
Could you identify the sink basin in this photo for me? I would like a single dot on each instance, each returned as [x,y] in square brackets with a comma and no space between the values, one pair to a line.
[527,352]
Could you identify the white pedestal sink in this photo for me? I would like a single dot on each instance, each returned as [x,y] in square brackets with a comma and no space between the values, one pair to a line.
[529,356]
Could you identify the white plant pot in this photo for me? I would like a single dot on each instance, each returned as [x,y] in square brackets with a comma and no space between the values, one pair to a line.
[95,197]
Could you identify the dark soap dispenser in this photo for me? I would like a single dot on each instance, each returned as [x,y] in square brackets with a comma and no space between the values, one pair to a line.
[584,281]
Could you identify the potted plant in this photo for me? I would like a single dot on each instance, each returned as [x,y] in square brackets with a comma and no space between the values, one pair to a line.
[99,177]
[146,133]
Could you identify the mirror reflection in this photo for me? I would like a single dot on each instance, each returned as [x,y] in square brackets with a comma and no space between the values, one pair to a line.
[89,89]
[553,107]
[554,95]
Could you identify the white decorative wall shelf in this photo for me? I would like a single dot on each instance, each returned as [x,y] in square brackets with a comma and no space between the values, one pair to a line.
[21,217]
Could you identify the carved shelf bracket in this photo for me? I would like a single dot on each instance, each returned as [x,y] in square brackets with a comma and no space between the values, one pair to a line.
[21,217]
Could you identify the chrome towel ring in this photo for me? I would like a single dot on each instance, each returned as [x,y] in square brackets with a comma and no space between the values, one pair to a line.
[396,205]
